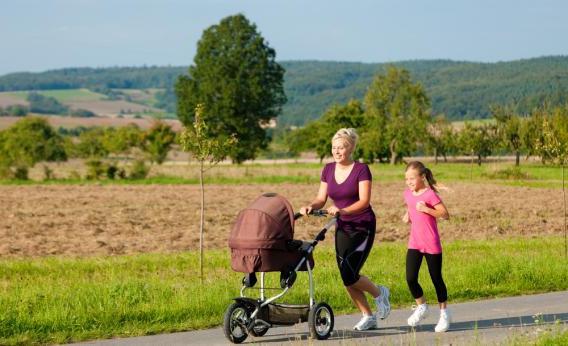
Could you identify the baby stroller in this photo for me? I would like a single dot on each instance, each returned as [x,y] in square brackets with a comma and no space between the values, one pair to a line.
[262,241]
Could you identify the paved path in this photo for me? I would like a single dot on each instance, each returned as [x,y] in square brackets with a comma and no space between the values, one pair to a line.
[482,322]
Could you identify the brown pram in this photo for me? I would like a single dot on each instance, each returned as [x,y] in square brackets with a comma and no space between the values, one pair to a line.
[262,241]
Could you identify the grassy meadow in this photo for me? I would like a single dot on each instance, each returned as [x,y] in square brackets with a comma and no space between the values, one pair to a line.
[58,300]
[180,172]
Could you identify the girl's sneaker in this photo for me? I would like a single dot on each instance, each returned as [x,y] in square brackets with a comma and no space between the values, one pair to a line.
[366,323]
[444,321]
[420,313]
[383,303]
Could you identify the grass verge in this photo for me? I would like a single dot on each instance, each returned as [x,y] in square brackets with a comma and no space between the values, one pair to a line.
[58,300]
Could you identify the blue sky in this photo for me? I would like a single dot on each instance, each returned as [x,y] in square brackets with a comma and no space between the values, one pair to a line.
[36,35]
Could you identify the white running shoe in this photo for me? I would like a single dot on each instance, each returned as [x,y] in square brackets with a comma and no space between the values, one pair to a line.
[420,313]
[383,303]
[444,322]
[366,323]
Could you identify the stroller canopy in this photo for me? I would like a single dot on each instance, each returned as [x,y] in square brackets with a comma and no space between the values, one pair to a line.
[266,224]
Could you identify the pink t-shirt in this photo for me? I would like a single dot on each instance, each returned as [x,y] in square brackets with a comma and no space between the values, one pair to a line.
[424,235]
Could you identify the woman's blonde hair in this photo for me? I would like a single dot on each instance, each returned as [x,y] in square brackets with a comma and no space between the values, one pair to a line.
[348,136]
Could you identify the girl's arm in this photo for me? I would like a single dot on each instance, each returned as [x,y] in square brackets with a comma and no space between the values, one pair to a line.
[361,204]
[439,210]
[405,217]
[318,202]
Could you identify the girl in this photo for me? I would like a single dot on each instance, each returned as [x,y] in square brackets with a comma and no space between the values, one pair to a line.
[348,184]
[424,206]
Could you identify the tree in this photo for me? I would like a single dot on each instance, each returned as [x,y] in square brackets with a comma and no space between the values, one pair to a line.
[441,138]
[477,140]
[317,134]
[29,141]
[509,130]
[158,141]
[205,149]
[235,74]
[397,113]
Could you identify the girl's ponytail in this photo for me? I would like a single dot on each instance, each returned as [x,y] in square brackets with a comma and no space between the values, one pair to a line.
[430,178]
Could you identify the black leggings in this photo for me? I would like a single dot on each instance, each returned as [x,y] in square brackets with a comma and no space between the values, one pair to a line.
[413,262]
[352,249]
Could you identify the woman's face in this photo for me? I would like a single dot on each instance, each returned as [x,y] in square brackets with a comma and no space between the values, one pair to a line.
[414,180]
[341,151]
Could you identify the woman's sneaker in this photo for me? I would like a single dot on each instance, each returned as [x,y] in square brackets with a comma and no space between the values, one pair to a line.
[383,303]
[366,323]
[420,313]
[444,322]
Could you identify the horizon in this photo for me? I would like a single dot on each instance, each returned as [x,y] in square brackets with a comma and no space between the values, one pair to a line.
[103,33]
[294,60]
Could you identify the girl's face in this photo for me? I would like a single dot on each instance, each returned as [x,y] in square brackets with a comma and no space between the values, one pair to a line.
[341,151]
[414,180]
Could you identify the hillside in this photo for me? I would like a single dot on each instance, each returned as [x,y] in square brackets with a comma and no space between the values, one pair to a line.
[461,90]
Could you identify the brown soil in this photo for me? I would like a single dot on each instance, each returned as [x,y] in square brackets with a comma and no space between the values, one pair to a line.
[90,220]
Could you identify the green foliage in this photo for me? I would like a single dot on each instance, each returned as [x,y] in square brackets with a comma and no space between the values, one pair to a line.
[14,111]
[397,112]
[27,142]
[317,134]
[45,104]
[458,89]
[81,113]
[139,170]
[158,141]
[236,76]
[552,144]
[478,140]
[441,139]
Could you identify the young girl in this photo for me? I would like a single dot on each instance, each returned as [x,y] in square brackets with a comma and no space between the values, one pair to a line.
[424,206]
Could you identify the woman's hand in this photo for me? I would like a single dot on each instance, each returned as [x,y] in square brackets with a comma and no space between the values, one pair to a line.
[333,210]
[305,210]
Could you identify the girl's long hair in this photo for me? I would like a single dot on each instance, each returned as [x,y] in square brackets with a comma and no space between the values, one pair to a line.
[423,171]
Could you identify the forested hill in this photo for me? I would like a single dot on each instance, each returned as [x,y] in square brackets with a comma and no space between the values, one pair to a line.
[457,89]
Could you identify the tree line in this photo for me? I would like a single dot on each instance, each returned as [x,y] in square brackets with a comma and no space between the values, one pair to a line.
[394,121]
[32,140]
[460,90]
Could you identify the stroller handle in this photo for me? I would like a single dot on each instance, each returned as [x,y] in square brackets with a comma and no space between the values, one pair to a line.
[315,212]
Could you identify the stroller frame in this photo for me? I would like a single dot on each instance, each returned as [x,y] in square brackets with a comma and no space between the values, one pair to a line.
[256,316]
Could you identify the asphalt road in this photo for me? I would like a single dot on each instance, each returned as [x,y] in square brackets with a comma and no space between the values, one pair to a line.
[494,321]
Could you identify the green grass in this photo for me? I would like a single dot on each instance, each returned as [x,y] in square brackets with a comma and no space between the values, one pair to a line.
[65,95]
[529,175]
[57,300]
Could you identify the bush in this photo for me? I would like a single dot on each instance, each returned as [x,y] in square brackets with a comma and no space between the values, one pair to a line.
[95,169]
[513,173]
[139,170]
[21,173]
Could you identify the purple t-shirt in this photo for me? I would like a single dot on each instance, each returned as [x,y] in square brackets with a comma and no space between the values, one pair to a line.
[347,193]
[424,235]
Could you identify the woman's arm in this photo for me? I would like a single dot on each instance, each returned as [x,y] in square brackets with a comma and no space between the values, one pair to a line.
[439,210]
[361,204]
[318,202]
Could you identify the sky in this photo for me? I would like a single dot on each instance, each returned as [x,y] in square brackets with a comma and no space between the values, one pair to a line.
[39,35]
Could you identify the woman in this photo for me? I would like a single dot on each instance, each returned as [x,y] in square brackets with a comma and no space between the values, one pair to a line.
[348,184]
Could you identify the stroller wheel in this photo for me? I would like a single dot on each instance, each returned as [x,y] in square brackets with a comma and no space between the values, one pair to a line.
[320,321]
[259,330]
[235,322]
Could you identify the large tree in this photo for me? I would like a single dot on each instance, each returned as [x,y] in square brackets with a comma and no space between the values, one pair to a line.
[397,113]
[237,78]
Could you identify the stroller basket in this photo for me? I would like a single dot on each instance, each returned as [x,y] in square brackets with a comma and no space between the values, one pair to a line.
[284,314]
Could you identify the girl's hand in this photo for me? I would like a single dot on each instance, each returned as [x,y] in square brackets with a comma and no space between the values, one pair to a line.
[405,218]
[305,210]
[333,210]
[421,206]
